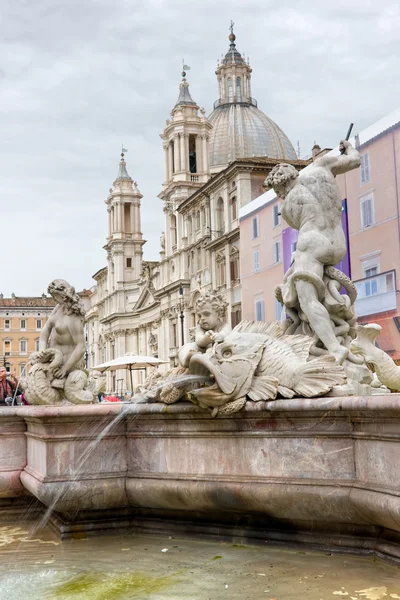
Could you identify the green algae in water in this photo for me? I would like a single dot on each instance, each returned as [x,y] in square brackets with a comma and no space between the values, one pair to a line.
[115,586]
[216,557]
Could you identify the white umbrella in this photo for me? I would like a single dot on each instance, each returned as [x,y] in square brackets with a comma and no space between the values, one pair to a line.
[131,362]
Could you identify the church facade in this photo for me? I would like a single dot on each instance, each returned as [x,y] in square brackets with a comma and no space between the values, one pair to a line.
[213,167]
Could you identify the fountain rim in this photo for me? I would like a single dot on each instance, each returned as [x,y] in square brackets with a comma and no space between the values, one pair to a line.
[389,403]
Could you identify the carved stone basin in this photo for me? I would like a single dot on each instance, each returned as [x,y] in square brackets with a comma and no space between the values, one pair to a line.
[322,471]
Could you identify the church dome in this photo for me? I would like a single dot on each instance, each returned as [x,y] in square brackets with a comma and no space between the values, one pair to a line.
[240,129]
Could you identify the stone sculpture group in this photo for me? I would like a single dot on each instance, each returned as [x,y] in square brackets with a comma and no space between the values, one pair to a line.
[317,349]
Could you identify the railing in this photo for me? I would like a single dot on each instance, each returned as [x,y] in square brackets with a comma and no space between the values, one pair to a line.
[194,178]
[235,100]
[376,294]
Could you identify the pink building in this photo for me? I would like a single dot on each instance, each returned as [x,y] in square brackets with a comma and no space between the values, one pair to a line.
[372,194]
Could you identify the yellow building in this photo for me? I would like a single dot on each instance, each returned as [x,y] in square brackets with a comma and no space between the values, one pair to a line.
[21,321]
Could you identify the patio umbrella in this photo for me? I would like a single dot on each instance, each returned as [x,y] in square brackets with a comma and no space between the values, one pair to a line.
[130,362]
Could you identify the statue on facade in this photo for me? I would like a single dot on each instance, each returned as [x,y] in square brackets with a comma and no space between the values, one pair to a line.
[162,241]
[211,326]
[57,375]
[311,288]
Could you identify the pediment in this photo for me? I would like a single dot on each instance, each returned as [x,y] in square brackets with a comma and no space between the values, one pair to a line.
[146,300]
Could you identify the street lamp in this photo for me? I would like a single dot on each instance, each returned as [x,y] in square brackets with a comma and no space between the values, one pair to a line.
[182,315]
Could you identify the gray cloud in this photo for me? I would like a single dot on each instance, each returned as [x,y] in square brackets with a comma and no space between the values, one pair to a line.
[78,79]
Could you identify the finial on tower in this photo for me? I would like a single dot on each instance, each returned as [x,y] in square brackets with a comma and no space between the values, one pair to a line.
[122,172]
[184,69]
[232,36]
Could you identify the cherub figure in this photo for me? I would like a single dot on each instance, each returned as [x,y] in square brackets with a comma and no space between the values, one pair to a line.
[211,326]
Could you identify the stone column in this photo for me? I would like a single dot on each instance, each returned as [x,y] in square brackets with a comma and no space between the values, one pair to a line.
[186,152]
[134,224]
[166,162]
[176,154]
[121,216]
[109,221]
[205,153]
[199,157]
[182,151]
[170,161]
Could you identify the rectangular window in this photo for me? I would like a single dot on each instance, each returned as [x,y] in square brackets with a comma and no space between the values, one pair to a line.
[129,263]
[234,266]
[255,227]
[371,287]
[198,259]
[22,346]
[276,215]
[7,348]
[23,324]
[278,310]
[236,314]
[365,170]
[277,252]
[371,271]
[259,310]
[38,323]
[256,261]
[6,323]
[37,346]
[367,211]
[22,368]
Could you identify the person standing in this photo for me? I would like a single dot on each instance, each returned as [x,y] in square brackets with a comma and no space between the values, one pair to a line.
[7,386]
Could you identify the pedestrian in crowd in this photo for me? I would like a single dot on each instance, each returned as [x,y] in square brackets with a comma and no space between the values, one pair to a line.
[7,386]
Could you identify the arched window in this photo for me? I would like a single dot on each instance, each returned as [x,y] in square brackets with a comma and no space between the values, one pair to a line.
[238,90]
[230,90]
[173,231]
[220,217]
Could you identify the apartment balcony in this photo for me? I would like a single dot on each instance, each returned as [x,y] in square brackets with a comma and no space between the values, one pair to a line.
[376,294]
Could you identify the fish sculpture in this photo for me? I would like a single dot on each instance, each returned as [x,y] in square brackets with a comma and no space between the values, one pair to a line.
[386,370]
[258,361]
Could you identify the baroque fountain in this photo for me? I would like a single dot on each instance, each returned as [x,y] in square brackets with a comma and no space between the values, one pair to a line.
[276,432]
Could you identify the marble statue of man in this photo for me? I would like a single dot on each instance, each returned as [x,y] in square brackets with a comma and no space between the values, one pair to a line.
[313,205]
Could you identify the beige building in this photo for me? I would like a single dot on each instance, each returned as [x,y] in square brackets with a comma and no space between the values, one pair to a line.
[21,322]
[212,167]
[372,194]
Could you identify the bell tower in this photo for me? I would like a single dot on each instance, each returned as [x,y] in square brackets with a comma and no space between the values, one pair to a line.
[125,240]
[185,142]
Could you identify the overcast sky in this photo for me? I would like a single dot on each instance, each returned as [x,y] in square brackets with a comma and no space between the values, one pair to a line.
[78,78]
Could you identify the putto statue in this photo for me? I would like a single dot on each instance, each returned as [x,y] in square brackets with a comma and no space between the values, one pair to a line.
[57,375]
[211,327]
[310,292]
